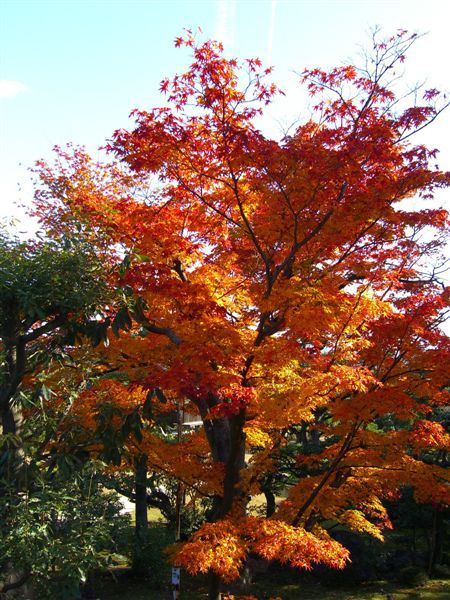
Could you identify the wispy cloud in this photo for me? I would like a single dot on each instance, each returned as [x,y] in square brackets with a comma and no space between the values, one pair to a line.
[9,88]
[273,8]
[225,21]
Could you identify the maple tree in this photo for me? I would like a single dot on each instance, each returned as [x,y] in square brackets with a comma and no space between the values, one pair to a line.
[269,285]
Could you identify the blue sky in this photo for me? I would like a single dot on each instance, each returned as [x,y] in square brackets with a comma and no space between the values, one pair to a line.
[71,71]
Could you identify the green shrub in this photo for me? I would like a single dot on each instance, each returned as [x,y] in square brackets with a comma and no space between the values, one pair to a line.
[412,576]
[59,533]
[148,556]
[441,571]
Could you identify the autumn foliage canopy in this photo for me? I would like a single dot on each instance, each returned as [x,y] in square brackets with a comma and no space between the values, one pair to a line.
[272,286]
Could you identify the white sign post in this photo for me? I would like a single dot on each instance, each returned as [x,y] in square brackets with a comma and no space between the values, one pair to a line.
[176,582]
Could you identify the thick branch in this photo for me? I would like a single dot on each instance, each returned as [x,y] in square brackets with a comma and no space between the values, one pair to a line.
[341,454]
[286,265]
[178,268]
[46,328]
[14,585]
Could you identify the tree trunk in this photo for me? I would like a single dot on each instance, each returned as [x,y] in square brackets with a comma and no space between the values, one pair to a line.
[10,416]
[217,433]
[270,496]
[10,420]
[12,466]
[140,565]
[436,540]
[214,586]
[232,494]
[226,438]
[12,480]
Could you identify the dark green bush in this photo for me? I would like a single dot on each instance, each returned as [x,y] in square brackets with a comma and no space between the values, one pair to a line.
[148,557]
[60,532]
[412,576]
[441,571]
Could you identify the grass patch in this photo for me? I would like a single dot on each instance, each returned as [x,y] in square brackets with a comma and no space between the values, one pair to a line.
[119,582]
[196,589]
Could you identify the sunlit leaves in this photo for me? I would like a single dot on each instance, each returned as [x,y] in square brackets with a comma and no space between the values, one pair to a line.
[223,546]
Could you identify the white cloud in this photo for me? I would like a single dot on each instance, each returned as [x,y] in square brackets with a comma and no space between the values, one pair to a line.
[9,89]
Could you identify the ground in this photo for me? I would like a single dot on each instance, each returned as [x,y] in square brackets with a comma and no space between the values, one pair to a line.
[119,583]
[133,590]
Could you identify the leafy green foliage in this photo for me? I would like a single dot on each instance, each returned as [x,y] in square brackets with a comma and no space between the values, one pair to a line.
[412,576]
[40,279]
[60,531]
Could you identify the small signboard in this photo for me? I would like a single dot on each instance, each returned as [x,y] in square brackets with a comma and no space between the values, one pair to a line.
[175,582]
